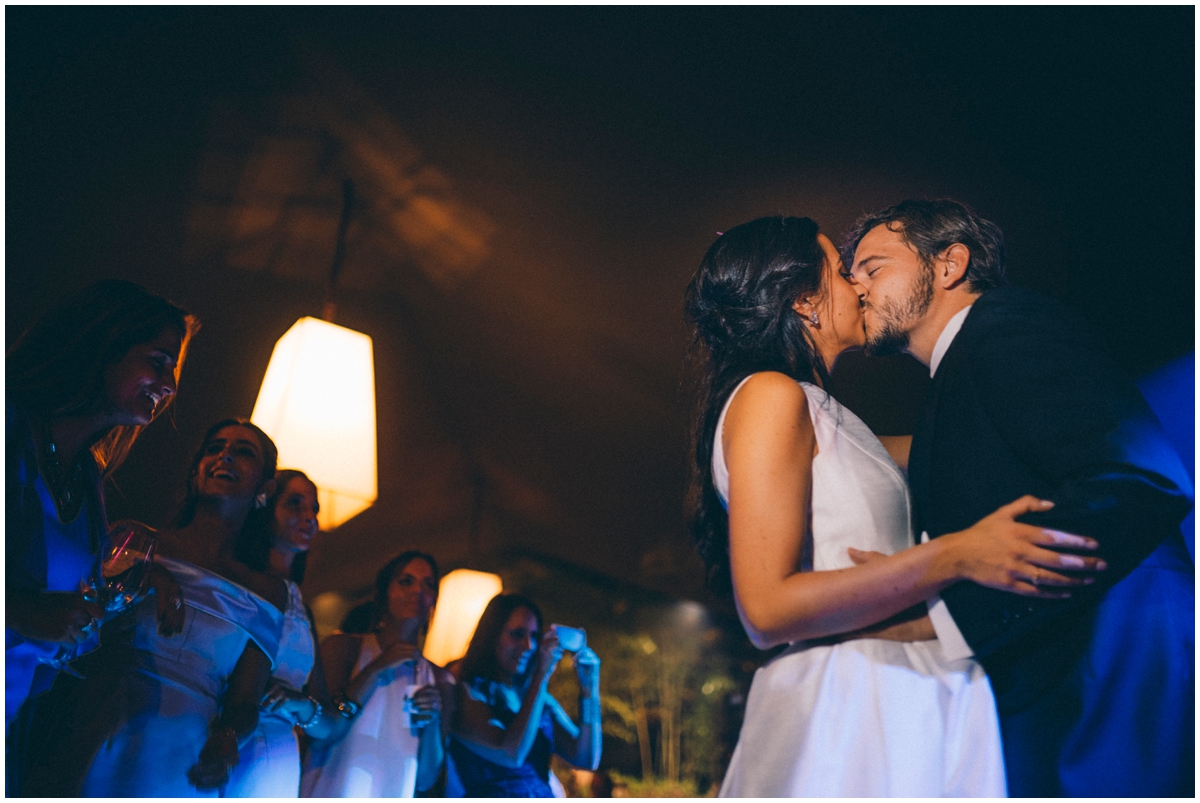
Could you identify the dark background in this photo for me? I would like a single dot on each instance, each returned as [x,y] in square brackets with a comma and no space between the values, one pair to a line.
[528,331]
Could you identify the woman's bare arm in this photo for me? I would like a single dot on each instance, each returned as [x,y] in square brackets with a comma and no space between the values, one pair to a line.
[769,445]
[508,747]
[898,447]
[236,721]
[310,706]
[337,656]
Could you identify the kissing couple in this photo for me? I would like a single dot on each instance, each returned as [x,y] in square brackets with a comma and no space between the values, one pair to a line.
[1013,617]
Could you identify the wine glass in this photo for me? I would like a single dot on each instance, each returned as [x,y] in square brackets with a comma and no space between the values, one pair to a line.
[422,677]
[124,570]
[120,584]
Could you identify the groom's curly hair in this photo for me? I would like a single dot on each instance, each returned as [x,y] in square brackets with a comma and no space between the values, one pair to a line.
[931,227]
[739,304]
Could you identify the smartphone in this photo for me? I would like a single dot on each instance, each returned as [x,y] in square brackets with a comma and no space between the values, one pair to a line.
[571,639]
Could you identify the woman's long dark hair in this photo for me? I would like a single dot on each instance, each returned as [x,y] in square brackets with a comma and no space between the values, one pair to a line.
[740,306]
[254,543]
[56,368]
[187,509]
[480,661]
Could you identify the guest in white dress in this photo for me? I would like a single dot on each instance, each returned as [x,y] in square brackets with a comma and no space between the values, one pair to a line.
[389,737]
[805,514]
[276,541]
[160,714]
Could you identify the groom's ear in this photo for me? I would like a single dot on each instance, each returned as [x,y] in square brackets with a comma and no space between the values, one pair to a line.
[952,266]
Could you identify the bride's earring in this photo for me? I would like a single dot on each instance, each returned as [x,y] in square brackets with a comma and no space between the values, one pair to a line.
[813,319]
[260,501]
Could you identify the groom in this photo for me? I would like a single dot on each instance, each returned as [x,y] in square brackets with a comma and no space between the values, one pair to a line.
[1095,693]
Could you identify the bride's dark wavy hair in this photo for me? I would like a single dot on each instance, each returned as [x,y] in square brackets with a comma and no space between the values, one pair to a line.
[739,304]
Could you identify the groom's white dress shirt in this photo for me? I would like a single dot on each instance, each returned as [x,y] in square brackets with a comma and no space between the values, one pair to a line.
[954,646]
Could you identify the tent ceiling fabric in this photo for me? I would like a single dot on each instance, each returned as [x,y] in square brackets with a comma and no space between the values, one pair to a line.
[267,200]
[268,193]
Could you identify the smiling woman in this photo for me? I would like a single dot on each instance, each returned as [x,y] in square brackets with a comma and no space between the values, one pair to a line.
[172,705]
[506,723]
[275,540]
[82,383]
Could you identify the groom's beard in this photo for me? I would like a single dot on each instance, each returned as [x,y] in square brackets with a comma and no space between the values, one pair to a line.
[893,319]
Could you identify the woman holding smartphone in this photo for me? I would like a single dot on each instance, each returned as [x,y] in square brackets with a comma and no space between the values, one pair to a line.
[507,725]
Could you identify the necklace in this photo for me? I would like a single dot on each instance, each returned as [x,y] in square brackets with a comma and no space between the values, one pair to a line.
[65,486]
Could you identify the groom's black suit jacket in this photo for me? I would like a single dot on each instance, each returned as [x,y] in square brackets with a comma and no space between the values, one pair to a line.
[1025,402]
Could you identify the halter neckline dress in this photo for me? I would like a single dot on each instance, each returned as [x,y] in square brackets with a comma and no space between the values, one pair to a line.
[867,717]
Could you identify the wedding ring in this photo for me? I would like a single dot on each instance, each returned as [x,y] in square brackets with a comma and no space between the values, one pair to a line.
[1036,574]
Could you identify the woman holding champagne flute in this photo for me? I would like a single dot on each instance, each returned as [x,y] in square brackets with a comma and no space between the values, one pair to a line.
[83,382]
[390,736]
[163,715]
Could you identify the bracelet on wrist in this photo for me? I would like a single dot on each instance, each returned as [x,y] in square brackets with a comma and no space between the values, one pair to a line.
[346,707]
[316,715]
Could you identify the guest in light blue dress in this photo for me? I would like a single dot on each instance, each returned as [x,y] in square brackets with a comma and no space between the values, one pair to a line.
[163,715]
[82,383]
[276,541]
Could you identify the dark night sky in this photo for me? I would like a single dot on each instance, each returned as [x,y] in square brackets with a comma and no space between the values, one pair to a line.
[606,147]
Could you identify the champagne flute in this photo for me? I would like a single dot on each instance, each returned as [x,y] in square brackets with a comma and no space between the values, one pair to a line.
[422,677]
[124,570]
[121,583]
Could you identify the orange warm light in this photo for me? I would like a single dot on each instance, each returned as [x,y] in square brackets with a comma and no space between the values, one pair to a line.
[317,402]
[462,596]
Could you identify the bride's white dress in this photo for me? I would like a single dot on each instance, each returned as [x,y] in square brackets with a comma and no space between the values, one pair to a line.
[864,718]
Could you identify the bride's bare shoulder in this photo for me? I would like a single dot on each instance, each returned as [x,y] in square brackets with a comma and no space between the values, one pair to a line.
[770,411]
[769,392]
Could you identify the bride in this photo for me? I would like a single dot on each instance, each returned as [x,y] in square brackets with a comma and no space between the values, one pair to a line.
[804,511]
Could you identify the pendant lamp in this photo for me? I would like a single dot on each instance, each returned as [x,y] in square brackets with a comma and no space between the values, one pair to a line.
[317,402]
[462,596]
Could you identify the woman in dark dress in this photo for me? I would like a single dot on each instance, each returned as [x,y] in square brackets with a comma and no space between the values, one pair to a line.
[506,724]
[82,384]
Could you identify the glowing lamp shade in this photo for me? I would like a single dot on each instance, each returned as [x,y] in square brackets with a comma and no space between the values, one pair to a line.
[462,596]
[317,402]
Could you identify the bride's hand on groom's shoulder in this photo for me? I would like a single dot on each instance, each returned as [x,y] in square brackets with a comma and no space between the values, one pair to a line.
[1002,553]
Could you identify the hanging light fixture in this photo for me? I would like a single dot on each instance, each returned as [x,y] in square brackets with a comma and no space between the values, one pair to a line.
[317,402]
[462,596]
